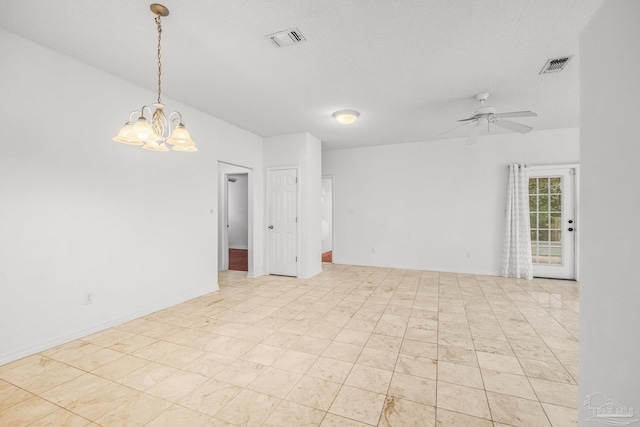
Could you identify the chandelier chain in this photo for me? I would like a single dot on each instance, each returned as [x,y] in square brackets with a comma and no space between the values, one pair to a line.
[159,24]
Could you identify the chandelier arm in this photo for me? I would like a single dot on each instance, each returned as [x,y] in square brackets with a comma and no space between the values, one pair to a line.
[133,114]
[172,117]
[142,110]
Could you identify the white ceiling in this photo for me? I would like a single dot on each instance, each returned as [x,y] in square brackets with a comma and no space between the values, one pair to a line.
[411,67]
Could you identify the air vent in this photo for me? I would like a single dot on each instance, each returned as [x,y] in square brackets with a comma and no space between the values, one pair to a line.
[286,37]
[555,64]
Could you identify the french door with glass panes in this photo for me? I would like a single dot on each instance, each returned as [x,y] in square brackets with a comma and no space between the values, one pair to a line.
[552,206]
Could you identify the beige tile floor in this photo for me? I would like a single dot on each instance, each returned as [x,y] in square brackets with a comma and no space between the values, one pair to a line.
[353,346]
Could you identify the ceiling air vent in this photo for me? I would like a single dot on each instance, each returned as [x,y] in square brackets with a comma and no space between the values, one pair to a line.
[554,65]
[286,37]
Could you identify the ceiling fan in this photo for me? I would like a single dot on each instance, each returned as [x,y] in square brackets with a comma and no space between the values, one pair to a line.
[487,115]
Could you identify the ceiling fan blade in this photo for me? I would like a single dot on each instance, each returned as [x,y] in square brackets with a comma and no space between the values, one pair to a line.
[467,120]
[517,127]
[473,136]
[451,130]
[516,114]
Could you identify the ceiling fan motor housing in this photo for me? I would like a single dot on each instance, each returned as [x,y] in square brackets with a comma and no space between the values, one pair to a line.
[483,112]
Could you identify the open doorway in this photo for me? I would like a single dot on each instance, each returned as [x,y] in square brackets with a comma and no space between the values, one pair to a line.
[238,221]
[235,218]
[327,219]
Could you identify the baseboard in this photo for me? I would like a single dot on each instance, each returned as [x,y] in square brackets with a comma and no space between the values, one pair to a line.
[254,275]
[244,248]
[77,334]
[423,268]
[311,274]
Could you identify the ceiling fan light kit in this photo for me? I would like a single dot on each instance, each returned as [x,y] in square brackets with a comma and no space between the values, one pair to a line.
[156,133]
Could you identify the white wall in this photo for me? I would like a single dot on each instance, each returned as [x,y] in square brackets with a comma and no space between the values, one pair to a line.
[432,205]
[302,150]
[80,213]
[327,214]
[610,154]
[238,212]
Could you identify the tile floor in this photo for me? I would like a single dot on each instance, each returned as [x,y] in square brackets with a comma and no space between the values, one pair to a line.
[353,346]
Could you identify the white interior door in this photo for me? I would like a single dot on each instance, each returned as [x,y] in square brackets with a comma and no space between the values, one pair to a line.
[282,222]
[552,205]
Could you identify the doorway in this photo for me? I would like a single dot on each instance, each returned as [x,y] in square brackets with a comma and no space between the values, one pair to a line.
[282,221]
[235,218]
[327,219]
[238,221]
[553,209]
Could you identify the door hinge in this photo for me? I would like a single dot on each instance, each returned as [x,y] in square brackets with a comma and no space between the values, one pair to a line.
[296,219]
[572,171]
[296,259]
[296,180]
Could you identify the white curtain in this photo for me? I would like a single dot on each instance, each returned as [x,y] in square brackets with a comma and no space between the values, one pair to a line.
[516,259]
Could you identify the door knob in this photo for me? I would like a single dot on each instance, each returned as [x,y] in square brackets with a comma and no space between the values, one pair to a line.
[271,227]
[570,228]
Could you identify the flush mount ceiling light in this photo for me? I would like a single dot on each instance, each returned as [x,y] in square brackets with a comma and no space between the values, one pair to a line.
[155,134]
[346,116]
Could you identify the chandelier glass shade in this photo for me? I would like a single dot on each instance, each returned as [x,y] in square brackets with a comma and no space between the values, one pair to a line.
[156,133]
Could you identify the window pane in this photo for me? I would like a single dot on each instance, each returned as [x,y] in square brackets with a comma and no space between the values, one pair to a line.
[543,203]
[543,235]
[543,220]
[543,185]
[547,221]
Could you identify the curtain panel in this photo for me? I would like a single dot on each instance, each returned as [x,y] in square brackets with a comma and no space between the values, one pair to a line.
[516,258]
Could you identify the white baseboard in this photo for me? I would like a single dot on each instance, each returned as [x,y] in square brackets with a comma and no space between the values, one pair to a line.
[83,332]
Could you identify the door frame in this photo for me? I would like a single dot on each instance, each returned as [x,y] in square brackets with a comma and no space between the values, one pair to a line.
[266,214]
[333,214]
[224,170]
[551,167]
[225,219]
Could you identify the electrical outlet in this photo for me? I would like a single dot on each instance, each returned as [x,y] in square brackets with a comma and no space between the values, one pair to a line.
[88,298]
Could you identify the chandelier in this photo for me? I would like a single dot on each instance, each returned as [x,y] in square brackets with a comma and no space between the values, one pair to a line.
[155,134]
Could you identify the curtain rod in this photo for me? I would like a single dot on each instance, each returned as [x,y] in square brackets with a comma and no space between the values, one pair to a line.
[552,164]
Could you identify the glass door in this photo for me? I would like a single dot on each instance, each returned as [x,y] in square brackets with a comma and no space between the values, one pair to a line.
[553,227]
